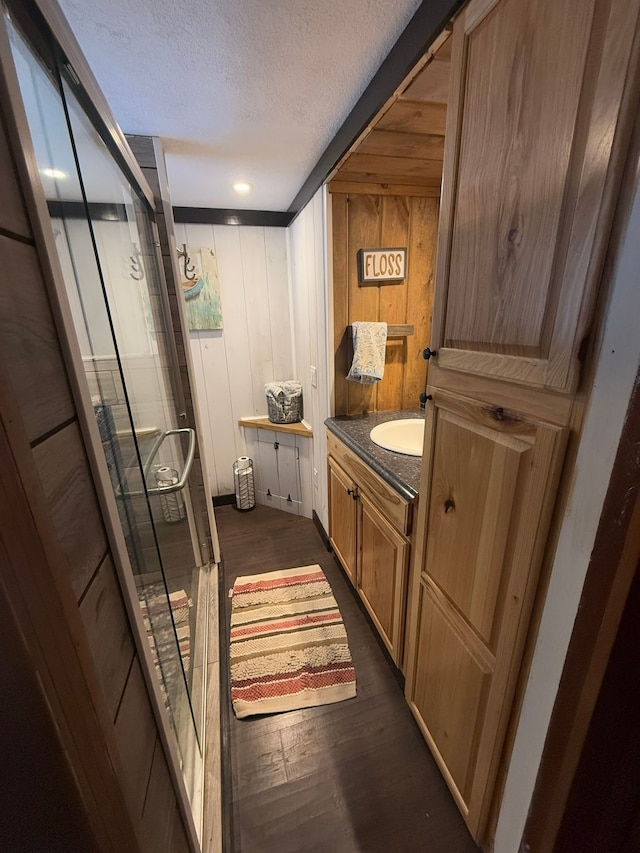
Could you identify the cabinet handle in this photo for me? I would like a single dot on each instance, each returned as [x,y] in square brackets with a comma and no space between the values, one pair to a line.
[353,493]
[427,353]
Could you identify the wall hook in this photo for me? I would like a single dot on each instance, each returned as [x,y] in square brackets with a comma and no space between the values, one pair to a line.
[137,270]
[188,268]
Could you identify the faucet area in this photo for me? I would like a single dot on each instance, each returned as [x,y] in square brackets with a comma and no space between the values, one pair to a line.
[400,468]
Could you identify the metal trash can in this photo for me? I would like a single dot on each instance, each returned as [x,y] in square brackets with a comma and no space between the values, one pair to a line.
[243,482]
[173,508]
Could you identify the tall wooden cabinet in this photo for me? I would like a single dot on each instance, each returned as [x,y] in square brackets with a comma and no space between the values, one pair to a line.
[490,476]
[537,91]
[542,97]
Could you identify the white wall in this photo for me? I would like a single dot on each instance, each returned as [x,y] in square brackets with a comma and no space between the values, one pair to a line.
[308,265]
[274,307]
[617,368]
[254,347]
[147,373]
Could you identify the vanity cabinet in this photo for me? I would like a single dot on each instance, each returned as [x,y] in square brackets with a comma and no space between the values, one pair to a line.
[382,574]
[343,518]
[369,524]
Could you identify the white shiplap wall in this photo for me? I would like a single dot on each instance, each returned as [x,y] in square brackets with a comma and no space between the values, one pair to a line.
[254,347]
[309,300]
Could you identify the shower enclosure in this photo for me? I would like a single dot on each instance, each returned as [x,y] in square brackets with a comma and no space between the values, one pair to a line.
[102,224]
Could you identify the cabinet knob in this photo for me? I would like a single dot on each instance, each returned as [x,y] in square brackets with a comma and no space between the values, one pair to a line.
[353,493]
[423,399]
[427,353]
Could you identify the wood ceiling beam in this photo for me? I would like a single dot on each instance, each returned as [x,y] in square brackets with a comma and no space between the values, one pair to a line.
[415,117]
[430,19]
[374,188]
[387,143]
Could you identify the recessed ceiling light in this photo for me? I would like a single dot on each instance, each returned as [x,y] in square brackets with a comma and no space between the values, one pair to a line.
[54,173]
[242,187]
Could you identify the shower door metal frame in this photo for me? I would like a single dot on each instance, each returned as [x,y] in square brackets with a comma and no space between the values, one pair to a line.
[24,157]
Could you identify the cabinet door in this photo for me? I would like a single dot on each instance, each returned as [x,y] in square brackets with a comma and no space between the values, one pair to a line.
[382,575]
[490,486]
[278,472]
[343,517]
[266,471]
[535,142]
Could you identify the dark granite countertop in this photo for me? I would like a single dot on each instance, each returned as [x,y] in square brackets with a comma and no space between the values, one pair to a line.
[400,471]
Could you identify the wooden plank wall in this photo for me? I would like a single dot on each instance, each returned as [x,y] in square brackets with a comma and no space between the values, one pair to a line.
[30,742]
[372,221]
[149,154]
[232,364]
[32,365]
[403,148]
[143,148]
[310,323]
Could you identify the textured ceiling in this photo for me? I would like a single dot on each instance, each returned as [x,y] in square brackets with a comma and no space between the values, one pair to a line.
[248,90]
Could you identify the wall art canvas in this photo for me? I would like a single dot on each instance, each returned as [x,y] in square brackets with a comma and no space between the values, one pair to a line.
[201,288]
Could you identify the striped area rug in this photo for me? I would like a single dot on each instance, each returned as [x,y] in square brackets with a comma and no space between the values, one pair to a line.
[288,644]
[159,626]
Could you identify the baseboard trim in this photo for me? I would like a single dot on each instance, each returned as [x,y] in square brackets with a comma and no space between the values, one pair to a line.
[397,674]
[224,500]
[228,828]
[320,528]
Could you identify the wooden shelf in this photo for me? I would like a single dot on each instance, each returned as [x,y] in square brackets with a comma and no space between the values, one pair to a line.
[265,423]
[142,432]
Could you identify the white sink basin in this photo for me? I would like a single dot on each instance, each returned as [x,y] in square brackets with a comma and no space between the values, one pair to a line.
[403,436]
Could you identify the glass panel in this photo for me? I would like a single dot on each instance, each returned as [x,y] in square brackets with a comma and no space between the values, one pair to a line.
[103,237]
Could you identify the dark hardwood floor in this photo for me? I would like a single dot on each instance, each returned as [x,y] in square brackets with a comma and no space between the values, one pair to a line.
[353,776]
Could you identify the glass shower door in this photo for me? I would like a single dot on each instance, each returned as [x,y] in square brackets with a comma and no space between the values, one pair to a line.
[104,240]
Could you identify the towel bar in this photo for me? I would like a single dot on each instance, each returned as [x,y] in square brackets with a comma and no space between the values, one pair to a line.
[393,331]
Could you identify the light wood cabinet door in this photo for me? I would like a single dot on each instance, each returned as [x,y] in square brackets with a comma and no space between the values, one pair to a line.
[488,492]
[535,141]
[343,517]
[382,573]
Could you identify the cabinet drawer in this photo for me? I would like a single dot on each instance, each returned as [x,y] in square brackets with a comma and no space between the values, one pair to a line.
[398,511]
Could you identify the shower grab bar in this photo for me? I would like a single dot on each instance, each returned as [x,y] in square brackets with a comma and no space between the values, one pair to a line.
[182,480]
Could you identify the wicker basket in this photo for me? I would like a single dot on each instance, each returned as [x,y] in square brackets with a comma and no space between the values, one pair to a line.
[284,402]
